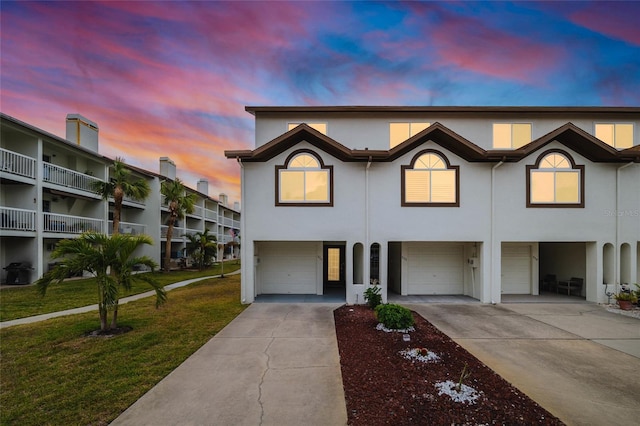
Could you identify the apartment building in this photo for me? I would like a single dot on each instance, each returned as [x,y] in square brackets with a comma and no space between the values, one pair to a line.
[46,195]
[474,201]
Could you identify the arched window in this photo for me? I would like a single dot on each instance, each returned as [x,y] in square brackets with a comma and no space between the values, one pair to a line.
[430,181]
[304,180]
[555,181]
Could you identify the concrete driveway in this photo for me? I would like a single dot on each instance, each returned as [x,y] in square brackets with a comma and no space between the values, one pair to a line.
[578,361]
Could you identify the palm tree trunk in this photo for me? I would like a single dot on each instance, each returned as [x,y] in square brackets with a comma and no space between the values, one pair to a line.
[103,316]
[167,247]
[117,211]
[114,320]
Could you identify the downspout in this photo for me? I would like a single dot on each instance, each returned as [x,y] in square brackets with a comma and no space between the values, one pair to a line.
[243,248]
[366,264]
[617,250]
[493,237]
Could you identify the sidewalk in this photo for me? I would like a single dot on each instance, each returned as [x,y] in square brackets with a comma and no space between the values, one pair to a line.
[91,308]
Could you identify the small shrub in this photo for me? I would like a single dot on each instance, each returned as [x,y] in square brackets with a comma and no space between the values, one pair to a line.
[394,316]
[372,296]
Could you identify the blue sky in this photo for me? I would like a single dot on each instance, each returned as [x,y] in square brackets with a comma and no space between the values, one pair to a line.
[172,78]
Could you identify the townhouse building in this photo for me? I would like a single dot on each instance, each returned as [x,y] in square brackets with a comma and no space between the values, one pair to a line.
[46,195]
[475,201]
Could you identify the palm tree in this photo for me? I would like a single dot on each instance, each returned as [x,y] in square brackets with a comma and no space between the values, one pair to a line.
[118,186]
[109,259]
[178,204]
[202,246]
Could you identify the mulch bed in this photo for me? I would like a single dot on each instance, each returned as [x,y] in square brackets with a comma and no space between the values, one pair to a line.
[383,388]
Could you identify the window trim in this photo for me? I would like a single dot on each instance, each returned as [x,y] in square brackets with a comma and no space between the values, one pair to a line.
[285,166]
[411,166]
[574,166]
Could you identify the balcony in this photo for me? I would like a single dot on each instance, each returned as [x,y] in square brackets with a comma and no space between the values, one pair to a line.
[17,219]
[17,164]
[179,233]
[230,223]
[65,224]
[129,228]
[211,215]
[68,178]
[197,211]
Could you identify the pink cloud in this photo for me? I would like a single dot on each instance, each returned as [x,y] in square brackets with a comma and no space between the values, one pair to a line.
[612,21]
[467,43]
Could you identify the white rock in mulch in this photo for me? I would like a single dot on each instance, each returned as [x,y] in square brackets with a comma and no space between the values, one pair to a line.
[381,326]
[420,354]
[634,313]
[466,394]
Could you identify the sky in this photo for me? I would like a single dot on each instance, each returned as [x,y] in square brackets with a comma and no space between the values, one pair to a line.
[172,78]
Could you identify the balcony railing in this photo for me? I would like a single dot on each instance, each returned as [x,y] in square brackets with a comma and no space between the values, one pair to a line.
[129,228]
[177,232]
[17,164]
[211,214]
[68,178]
[66,224]
[17,219]
[132,200]
[197,211]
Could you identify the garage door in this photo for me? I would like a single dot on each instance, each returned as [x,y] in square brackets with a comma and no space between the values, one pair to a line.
[288,267]
[516,268]
[435,268]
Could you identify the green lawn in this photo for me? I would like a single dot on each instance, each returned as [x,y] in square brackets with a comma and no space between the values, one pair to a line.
[53,375]
[21,302]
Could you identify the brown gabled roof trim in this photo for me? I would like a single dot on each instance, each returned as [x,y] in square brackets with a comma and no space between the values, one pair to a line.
[444,137]
[568,135]
[300,133]
[439,109]
[576,139]
[630,154]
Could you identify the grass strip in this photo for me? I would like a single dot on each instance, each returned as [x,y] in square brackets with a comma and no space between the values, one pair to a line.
[52,374]
[22,302]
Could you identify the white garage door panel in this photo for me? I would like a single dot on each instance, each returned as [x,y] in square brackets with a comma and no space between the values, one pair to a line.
[516,269]
[435,268]
[288,268]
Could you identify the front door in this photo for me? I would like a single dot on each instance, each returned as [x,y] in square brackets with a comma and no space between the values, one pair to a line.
[334,266]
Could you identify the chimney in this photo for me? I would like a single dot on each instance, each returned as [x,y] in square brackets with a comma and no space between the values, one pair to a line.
[222,199]
[82,131]
[203,186]
[167,168]
[236,206]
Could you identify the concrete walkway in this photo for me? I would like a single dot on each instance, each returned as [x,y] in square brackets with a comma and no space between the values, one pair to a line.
[91,308]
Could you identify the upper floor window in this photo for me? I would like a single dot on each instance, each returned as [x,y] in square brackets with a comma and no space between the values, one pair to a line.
[321,127]
[430,181]
[400,132]
[617,135]
[304,180]
[511,135]
[555,181]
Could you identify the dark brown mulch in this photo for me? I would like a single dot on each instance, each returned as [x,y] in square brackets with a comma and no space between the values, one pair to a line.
[383,388]
[110,332]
